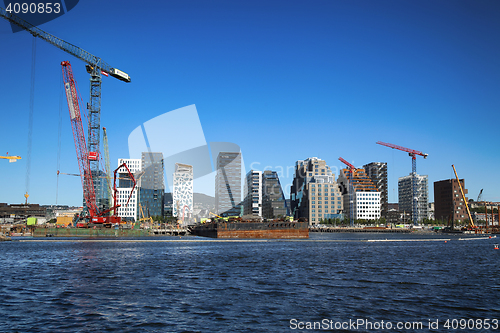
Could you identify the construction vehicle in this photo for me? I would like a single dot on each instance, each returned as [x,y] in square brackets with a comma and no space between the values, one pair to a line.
[93,215]
[11,158]
[413,153]
[144,218]
[216,215]
[95,67]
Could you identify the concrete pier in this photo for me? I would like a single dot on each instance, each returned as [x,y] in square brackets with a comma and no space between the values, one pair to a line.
[379,230]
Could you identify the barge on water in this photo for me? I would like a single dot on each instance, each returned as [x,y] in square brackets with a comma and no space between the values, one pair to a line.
[252,228]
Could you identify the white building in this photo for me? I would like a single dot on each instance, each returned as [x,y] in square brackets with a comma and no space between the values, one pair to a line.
[252,204]
[183,192]
[405,196]
[367,205]
[128,211]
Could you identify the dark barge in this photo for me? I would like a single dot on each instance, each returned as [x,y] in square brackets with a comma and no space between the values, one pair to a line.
[238,228]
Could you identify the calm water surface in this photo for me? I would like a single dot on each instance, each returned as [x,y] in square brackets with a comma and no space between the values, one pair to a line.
[250,286]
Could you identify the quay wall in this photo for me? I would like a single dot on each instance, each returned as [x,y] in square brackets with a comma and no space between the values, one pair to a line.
[380,230]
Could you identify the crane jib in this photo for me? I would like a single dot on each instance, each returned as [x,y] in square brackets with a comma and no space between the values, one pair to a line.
[65,46]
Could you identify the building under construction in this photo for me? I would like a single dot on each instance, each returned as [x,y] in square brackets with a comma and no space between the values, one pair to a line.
[377,172]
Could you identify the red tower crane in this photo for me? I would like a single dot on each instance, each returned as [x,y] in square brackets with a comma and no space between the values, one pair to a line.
[413,153]
[84,156]
[351,189]
[82,153]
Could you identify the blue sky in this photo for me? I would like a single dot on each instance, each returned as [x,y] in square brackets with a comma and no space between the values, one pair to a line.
[285,80]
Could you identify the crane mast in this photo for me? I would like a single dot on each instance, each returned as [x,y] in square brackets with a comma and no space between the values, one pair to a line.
[82,154]
[413,153]
[107,165]
[95,66]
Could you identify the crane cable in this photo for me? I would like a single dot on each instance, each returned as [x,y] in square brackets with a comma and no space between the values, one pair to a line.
[59,133]
[30,118]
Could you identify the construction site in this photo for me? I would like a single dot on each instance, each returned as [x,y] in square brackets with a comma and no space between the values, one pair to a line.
[98,180]
[107,209]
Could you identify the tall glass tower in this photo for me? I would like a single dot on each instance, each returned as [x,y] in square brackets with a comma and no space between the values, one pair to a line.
[152,185]
[228,184]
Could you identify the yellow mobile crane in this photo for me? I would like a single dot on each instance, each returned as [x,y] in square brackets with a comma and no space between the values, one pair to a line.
[144,218]
[472,225]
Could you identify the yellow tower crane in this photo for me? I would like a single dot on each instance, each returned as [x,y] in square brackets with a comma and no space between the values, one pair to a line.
[11,158]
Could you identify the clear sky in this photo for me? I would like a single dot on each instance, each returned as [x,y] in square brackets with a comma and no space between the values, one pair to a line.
[285,80]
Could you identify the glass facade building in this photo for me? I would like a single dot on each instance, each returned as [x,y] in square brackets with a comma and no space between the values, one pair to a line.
[273,199]
[152,185]
[315,194]
[228,184]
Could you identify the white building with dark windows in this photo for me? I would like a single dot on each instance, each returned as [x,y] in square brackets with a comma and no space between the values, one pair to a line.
[182,205]
[130,211]
[252,203]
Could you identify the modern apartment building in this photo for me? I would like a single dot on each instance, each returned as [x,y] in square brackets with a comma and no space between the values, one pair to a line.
[314,195]
[228,184]
[152,185]
[252,204]
[130,211]
[377,172]
[448,201]
[183,192]
[405,196]
[274,204]
[365,196]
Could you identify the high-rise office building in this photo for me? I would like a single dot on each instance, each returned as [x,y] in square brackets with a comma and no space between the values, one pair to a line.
[228,184]
[152,185]
[377,172]
[448,201]
[365,196]
[183,192]
[314,195]
[130,211]
[252,204]
[274,204]
[405,196]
